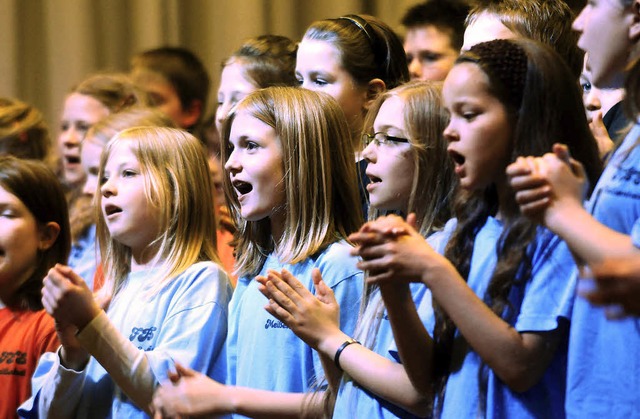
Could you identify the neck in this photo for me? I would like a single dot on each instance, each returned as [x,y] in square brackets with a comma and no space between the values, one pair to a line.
[144,259]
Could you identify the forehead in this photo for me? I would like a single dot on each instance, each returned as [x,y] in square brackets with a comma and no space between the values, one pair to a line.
[465,80]
[121,152]
[247,125]
[485,27]
[314,54]
[84,107]
[234,77]
[391,112]
[427,37]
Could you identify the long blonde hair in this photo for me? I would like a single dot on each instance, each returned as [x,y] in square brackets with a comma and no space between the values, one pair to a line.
[322,204]
[177,183]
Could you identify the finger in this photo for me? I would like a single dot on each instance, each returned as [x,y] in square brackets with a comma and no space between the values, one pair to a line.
[323,292]
[535,209]
[280,297]
[296,286]
[367,238]
[412,220]
[518,168]
[529,196]
[279,312]
[380,277]
[374,252]
[527,182]
[562,152]
[184,371]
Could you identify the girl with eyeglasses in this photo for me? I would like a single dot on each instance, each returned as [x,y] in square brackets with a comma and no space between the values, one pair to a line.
[410,173]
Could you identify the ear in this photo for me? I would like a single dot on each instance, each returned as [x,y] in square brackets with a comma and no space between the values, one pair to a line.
[48,235]
[374,88]
[634,29]
[191,115]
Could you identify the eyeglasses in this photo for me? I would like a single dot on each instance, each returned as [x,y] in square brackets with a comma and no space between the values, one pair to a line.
[381,138]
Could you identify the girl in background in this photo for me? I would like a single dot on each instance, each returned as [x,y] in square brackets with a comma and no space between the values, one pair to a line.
[23,132]
[410,172]
[165,295]
[90,101]
[501,286]
[34,236]
[353,58]
[291,187]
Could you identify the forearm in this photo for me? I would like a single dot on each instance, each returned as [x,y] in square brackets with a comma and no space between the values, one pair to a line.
[127,365]
[590,241]
[378,374]
[413,342]
[331,372]
[265,404]
[518,360]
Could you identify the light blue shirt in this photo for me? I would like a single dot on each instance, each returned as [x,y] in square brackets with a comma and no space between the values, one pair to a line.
[355,401]
[265,354]
[185,322]
[84,257]
[603,377]
[538,305]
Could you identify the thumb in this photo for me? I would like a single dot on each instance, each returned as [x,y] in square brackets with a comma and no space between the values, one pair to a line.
[412,220]
[562,152]
[184,371]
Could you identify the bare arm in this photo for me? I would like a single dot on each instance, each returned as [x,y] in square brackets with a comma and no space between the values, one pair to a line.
[519,359]
[295,306]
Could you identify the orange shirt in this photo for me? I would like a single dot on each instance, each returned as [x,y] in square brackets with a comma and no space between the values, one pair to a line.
[24,336]
[225,253]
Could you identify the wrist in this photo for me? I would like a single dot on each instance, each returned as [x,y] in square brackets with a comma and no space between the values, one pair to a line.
[73,358]
[330,344]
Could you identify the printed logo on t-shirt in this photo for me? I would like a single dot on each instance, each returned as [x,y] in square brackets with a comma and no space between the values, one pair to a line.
[10,362]
[275,324]
[141,335]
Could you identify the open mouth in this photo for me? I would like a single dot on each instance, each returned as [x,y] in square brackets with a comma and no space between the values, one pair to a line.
[72,159]
[457,158]
[373,179]
[110,209]
[242,187]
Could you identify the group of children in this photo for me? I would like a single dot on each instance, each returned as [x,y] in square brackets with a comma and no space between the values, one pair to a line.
[456,298]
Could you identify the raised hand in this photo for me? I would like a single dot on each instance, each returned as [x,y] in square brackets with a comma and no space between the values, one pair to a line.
[312,317]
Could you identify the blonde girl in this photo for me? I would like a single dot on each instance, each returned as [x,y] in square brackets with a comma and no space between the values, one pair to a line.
[34,236]
[165,295]
[290,185]
[410,173]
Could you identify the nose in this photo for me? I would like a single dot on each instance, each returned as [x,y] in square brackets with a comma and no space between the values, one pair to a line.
[415,69]
[222,113]
[70,137]
[90,185]
[232,165]
[108,188]
[578,23]
[369,153]
[450,133]
[592,100]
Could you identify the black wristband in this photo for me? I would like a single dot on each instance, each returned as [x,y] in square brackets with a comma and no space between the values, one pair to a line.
[336,358]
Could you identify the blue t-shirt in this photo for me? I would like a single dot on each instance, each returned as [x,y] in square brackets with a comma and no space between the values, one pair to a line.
[84,257]
[185,322]
[355,401]
[538,306]
[263,353]
[603,377]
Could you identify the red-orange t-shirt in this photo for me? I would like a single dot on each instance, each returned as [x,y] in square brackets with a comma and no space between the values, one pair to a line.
[24,336]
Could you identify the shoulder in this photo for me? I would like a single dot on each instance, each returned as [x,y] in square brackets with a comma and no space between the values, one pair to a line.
[336,263]
[207,276]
